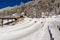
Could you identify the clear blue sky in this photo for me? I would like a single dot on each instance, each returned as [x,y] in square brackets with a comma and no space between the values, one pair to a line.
[6,3]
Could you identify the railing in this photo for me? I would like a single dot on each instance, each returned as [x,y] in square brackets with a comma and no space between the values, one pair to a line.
[8,18]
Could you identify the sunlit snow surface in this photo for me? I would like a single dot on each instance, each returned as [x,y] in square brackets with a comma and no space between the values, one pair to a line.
[32,29]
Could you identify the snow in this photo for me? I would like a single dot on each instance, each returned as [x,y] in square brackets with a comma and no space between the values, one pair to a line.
[18,26]
[32,29]
[6,21]
[21,33]
[55,31]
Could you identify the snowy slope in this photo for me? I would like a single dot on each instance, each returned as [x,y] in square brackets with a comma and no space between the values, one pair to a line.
[32,29]
[20,33]
[17,26]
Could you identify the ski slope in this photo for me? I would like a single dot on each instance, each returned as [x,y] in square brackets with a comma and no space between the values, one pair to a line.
[32,29]
[18,26]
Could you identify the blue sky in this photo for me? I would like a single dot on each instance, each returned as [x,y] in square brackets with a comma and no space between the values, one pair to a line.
[6,3]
